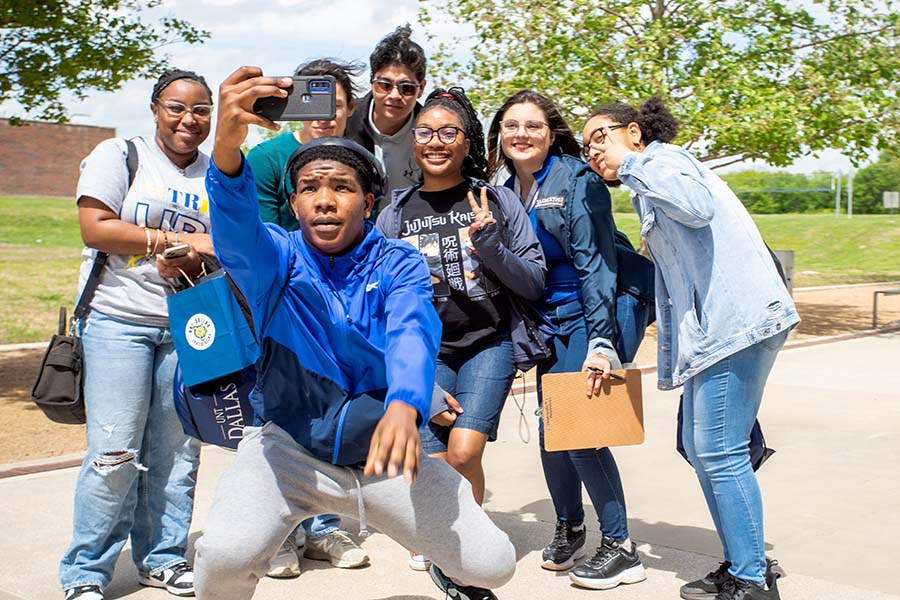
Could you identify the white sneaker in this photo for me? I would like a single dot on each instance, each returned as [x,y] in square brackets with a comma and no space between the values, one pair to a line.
[177,580]
[338,548]
[85,592]
[418,562]
[286,563]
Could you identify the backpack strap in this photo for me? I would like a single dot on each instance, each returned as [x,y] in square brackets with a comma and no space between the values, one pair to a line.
[131,161]
[93,280]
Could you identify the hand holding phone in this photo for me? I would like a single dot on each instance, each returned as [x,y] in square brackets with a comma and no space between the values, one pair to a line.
[176,251]
[311,98]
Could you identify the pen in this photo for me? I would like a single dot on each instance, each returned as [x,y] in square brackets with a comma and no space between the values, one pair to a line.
[613,375]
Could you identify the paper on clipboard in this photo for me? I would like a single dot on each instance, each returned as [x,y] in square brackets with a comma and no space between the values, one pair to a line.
[572,421]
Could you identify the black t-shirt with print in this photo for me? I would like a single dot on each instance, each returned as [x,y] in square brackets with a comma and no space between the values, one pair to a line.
[469,298]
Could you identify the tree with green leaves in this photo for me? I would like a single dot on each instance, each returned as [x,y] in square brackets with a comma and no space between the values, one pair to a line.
[748,79]
[872,181]
[52,48]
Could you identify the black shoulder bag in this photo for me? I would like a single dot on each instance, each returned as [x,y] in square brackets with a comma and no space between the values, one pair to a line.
[59,387]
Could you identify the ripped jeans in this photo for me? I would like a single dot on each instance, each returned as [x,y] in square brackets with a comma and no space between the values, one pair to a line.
[140,468]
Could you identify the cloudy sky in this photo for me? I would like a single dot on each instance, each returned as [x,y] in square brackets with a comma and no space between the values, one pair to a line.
[277,35]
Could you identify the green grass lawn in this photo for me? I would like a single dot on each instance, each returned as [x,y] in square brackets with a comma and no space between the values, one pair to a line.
[827,249]
[40,247]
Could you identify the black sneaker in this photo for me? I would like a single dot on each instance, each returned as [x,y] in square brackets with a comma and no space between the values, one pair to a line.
[178,580]
[738,589]
[711,584]
[567,547]
[85,592]
[455,590]
[611,566]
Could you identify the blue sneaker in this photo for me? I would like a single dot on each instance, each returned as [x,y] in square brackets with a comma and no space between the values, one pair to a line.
[455,590]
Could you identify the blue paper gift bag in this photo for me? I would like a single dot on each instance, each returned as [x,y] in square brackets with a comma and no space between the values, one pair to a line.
[212,337]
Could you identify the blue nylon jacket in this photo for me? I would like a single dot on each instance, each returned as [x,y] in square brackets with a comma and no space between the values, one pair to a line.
[347,334]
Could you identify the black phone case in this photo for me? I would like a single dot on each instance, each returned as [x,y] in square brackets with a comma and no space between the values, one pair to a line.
[310,99]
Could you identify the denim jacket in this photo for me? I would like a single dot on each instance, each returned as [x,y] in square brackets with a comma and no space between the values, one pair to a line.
[514,255]
[717,289]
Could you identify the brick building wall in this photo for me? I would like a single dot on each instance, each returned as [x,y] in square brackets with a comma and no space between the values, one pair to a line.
[42,159]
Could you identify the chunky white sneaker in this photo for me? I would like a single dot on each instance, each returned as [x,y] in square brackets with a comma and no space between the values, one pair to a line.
[177,580]
[418,562]
[85,592]
[286,563]
[338,548]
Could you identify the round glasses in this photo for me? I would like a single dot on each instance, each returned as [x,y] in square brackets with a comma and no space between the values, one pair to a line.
[406,88]
[532,128]
[598,138]
[446,134]
[177,109]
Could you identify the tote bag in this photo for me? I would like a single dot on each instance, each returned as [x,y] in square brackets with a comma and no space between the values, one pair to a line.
[212,336]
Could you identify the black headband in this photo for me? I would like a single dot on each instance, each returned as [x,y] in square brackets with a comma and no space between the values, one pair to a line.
[166,79]
[377,173]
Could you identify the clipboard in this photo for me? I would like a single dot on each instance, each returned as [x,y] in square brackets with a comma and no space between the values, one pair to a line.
[572,421]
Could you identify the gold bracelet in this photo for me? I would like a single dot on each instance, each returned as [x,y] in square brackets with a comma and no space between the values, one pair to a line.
[147,254]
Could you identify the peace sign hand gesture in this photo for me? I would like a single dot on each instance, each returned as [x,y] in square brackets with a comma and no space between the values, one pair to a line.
[482,213]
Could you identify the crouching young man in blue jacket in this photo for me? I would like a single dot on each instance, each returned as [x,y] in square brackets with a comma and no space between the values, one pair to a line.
[349,338]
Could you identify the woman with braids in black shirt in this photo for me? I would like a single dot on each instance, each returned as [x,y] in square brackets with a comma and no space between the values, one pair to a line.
[483,256]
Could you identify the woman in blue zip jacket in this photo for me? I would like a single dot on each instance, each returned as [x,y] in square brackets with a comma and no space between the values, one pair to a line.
[484,260]
[597,328]
[724,313]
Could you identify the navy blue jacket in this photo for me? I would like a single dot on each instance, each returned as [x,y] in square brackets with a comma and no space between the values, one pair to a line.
[573,205]
[347,335]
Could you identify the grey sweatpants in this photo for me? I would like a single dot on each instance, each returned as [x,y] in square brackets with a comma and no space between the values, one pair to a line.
[274,483]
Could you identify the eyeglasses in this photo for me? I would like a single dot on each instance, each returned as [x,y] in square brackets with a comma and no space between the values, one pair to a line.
[446,134]
[598,138]
[406,88]
[177,109]
[532,128]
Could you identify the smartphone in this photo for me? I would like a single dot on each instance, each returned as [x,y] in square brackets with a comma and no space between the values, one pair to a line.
[176,251]
[310,98]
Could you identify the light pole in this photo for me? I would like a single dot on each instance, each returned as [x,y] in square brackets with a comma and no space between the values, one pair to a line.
[836,185]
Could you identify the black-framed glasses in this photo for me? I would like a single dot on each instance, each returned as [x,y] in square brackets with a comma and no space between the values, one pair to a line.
[446,134]
[598,138]
[532,128]
[406,88]
[177,109]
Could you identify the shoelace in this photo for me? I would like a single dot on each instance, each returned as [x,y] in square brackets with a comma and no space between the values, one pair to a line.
[733,589]
[560,535]
[719,574]
[604,553]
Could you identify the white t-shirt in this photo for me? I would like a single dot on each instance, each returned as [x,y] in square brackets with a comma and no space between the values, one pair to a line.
[161,197]
[396,154]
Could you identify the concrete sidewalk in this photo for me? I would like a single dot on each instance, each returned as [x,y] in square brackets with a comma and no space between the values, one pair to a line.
[831,493]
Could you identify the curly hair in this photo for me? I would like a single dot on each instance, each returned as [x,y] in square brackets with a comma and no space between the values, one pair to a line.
[657,123]
[456,101]
[564,141]
[397,48]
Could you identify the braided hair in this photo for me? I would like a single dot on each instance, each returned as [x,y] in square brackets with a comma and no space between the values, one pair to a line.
[454,99]
[167,78]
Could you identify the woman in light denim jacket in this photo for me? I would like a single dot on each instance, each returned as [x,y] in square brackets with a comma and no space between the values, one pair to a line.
[723,314]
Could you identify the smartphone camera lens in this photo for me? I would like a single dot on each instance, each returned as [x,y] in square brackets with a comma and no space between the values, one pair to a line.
[320,86]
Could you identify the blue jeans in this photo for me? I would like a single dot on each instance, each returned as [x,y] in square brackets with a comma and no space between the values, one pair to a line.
[140,468]
[320,525]
[480,381]
[566,470]
[720,406]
